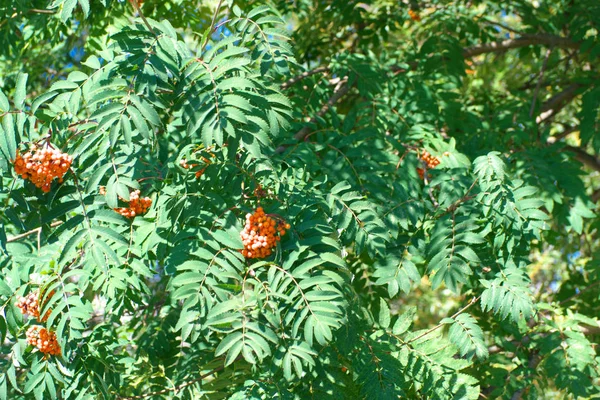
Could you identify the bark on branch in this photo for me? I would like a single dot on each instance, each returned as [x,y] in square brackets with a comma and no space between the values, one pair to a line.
[303,75]
[31,232]
[341,89]
[528,40]
[557,102]
[41,11]
[585,158]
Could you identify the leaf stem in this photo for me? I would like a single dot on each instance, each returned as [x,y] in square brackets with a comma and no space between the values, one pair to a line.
[212,25]
[427,332]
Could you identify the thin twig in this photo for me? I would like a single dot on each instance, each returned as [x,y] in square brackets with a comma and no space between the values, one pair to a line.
[31,232]
[501,25]
[303,75]
[212,25]
[452,207]
[584,157]
[539,82]
[593,285]
[40,11]
[136,7]
[340,90]
[438,326]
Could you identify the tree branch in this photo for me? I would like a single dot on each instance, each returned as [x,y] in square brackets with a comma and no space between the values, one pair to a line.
[501,25]
[557,102]
[567,131]
[585,158]
[539,82]
[342,87]
[212,24]
[596,195]
[588,287]
[456,314]
[31,232]
[41,11]
[303,75]
[526,40]
[136,7]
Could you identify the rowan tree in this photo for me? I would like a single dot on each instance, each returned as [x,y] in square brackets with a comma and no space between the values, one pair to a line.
[252,199]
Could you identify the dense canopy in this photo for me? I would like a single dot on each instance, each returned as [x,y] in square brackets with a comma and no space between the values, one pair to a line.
[264,199]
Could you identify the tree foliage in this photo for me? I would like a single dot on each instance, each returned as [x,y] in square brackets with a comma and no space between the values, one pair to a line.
[436,163]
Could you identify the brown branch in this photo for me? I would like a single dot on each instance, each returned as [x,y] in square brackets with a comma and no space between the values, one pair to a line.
[452,207]
[585,158]
[567,131]
[212,25]
[539,82]
[596,195]
[560,98]
[342,87]
[526,40]
[412,66]
[530,83]
[136,7]
[31,232]
[40,11]
[501,25]
[557,102]
[590,286]
[303,75]
[534,361]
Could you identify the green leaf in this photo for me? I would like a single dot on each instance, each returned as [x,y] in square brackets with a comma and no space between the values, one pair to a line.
[71,245]
[20,91]
[4,104]
[404,321]
[92,62]
[223,237]
[468,336]
[9,142]
[384,314]
[109,233]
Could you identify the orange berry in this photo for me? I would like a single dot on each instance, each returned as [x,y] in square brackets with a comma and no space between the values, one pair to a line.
[258,235]
[414,15]
[44,340]
[37,166]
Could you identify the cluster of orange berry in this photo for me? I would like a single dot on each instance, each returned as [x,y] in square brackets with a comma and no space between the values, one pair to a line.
[42,165]
[199,173]
[137,205]
[44,340]
[37,336]
[30,305]
[414,15]
[260,234]
[430,161]
[184,164]
[469,71]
